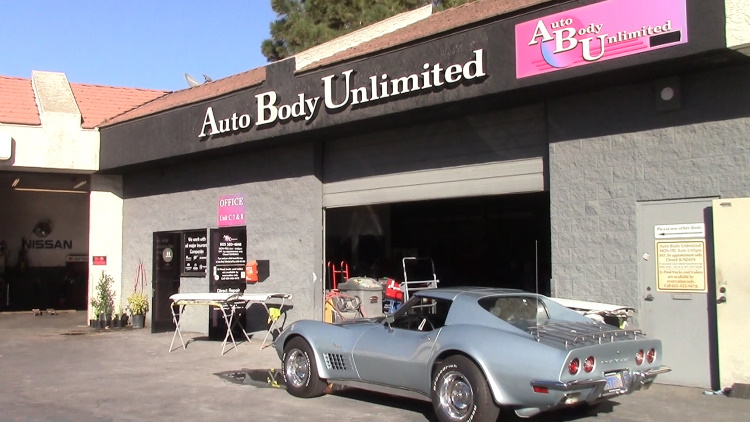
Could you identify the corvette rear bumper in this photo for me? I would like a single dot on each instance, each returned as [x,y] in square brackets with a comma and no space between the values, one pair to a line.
[595,388]
[558,394]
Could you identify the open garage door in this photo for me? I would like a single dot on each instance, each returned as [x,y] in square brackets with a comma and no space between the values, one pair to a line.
[480,155]
[494,241]
[463,181]
[44,241]
[468,193]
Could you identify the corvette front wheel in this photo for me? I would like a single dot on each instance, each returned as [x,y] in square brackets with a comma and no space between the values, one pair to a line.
[460,392]
[300,371]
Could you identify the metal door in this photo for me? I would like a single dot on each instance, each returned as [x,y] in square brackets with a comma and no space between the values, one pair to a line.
[673,286]
[731,226]
[395,356]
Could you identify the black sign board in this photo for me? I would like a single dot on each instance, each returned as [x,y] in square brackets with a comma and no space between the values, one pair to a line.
[228,257]
[194,253]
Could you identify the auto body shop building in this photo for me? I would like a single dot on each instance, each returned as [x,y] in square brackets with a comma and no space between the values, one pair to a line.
[594,150]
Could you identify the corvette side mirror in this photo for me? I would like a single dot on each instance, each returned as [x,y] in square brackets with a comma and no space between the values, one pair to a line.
[389,318]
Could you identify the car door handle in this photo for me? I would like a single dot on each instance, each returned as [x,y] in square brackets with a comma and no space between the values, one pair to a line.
[649,298]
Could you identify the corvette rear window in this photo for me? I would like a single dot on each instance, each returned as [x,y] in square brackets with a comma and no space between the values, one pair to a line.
[521,311]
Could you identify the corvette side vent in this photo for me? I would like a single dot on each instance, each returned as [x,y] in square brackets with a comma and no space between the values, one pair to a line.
[336,362]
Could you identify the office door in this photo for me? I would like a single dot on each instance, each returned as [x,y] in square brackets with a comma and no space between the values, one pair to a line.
[166,276]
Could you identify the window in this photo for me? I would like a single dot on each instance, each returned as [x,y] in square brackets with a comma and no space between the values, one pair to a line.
[521,311]
[422,314]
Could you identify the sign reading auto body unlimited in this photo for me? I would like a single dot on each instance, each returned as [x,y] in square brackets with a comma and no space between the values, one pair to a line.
[355,91]
[598,32]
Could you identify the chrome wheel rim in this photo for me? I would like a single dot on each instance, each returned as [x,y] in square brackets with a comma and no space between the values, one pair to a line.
[456,395]
[297,368]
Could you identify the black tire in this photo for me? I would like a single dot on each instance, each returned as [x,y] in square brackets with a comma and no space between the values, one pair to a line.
[300,371]
[460,392]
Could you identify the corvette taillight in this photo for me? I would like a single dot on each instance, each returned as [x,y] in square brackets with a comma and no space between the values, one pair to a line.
[639,357]
[588,364]
[574,366]
[651,356]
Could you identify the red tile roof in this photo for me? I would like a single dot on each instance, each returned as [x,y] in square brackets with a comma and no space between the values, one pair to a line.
[201,92]
[17,103]
[96,102]
[447,20]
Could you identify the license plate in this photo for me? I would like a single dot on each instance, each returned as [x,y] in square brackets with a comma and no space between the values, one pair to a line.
[614,381]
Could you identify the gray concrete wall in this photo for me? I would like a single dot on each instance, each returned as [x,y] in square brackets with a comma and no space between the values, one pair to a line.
[283,218]
[611,149]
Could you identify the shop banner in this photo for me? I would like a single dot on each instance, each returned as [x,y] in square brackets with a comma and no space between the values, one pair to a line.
[194,253]
[231,210]
[228,258]
[598,32]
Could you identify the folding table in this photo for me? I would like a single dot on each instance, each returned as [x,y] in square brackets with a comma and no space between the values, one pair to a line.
[249,298]
[228,303]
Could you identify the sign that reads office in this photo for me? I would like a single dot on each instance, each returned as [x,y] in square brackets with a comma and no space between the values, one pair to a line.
[353,90]
[231,210]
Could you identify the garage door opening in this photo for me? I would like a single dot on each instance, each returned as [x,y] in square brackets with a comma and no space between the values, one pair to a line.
[494,241]
[44,241]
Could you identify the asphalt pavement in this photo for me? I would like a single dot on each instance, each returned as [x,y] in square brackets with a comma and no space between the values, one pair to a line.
[56,368]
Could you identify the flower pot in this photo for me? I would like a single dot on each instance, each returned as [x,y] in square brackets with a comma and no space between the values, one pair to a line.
[94,323]
[116,322]
[139,321]
[105,321]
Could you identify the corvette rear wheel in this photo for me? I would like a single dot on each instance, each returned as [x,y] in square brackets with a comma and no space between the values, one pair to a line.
[460,392]
[300,371]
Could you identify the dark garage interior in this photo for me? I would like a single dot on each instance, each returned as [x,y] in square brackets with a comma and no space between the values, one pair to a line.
[498,241]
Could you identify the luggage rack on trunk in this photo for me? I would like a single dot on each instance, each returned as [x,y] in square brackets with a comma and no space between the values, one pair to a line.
[570,334]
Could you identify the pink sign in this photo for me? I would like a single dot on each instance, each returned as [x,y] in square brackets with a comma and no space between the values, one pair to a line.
[598,32]
[231,210]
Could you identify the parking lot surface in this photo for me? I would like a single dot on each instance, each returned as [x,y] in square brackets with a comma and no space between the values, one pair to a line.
[55,368]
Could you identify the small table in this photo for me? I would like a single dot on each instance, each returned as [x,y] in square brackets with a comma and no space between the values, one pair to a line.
[228,303]
[249,298]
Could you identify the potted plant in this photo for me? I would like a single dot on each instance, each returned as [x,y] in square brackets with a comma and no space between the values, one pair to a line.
[117,319]
[138,305]
[138,300]
[103,302]
[123,318]
[95,309]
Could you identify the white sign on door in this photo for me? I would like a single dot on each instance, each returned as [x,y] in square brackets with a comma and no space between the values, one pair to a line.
[689,230]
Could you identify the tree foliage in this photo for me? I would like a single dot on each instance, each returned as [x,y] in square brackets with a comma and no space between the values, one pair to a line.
[302,24]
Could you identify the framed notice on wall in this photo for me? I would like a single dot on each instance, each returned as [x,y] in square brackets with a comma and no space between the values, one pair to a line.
[681,266]
[194,253]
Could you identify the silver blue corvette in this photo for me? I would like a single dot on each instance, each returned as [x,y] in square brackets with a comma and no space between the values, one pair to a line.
[471,351]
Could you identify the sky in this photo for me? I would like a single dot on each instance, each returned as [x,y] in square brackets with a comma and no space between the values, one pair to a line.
[133,43]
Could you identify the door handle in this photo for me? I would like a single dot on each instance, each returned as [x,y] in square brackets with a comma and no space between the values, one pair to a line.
[649,298]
